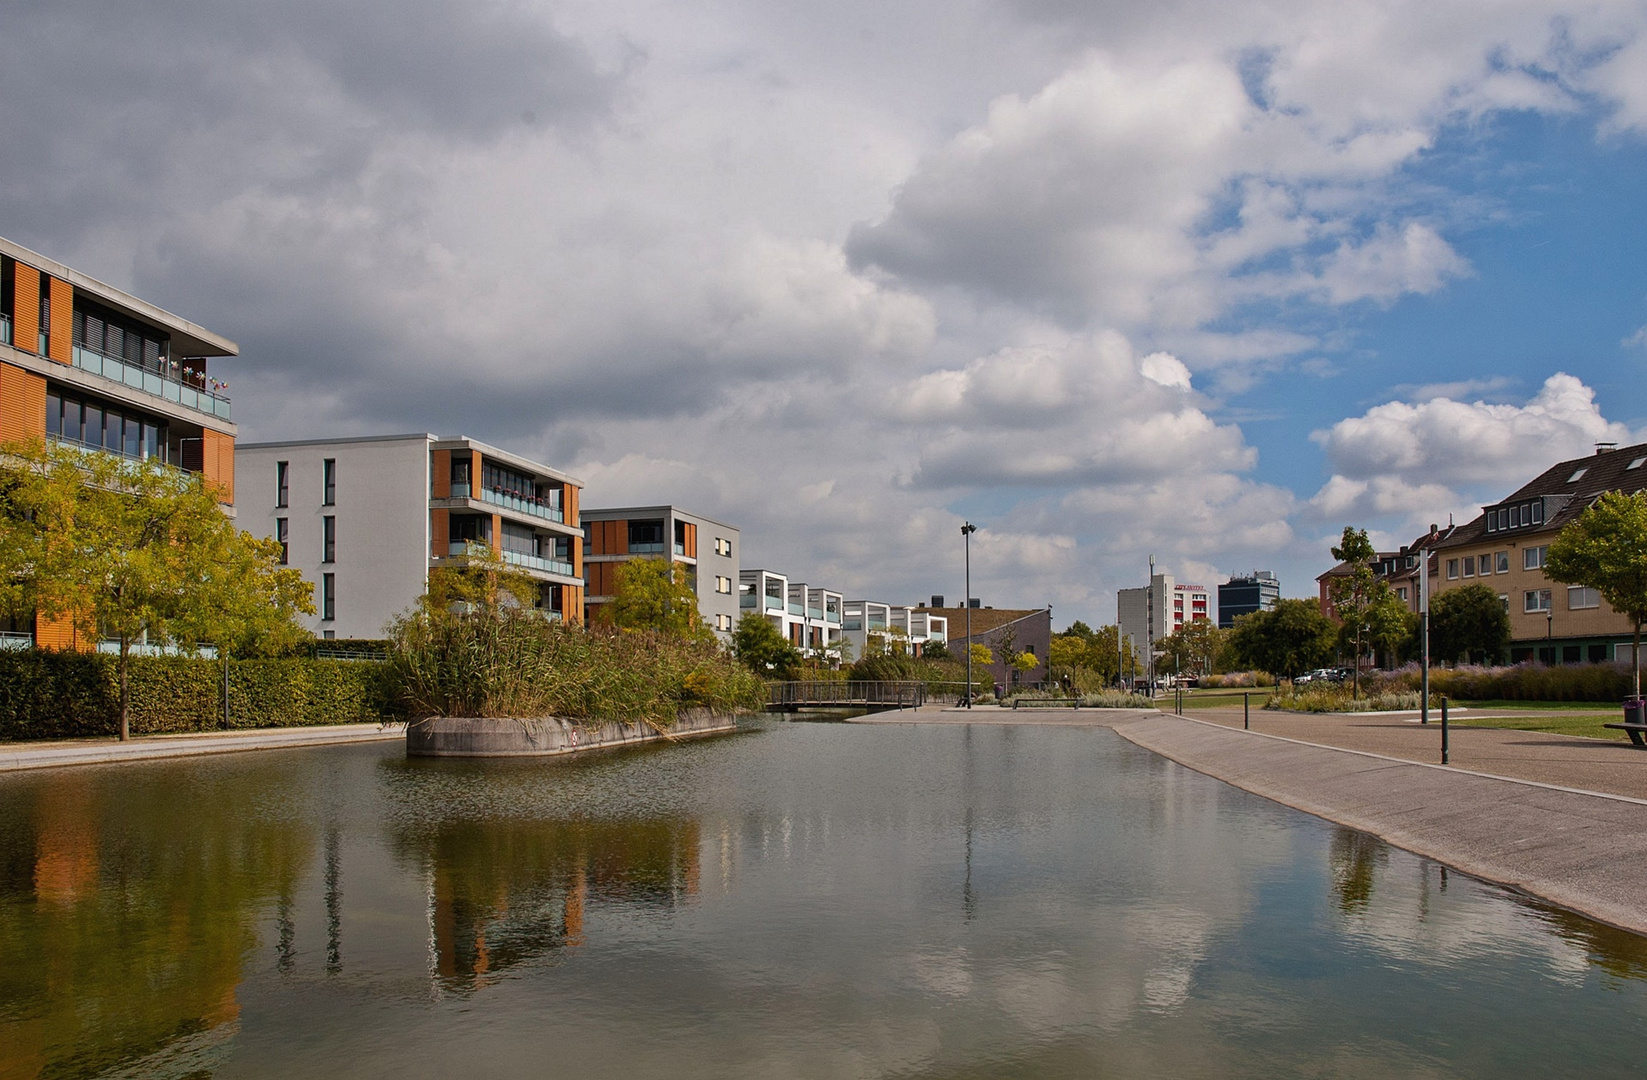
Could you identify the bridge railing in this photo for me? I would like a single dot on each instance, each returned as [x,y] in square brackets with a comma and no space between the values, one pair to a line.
[899,693]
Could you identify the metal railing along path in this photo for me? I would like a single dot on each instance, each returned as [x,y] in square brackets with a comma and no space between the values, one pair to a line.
[890,693]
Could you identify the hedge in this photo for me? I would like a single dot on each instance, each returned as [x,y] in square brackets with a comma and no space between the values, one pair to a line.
[60,695]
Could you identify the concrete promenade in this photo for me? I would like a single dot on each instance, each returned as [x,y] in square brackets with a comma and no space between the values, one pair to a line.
[40,755]
[1561,818]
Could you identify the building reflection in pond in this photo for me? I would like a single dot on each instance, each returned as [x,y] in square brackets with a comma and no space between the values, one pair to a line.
[126,917]
[505,892]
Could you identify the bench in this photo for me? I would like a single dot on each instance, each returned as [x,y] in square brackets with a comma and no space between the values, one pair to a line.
[1635,731]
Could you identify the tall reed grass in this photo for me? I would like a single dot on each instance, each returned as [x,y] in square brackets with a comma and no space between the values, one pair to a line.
[510,663]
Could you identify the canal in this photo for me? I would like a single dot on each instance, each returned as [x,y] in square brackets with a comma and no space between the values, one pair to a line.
[800,900]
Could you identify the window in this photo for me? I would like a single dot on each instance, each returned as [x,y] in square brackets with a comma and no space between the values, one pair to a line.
[328,597]
[1636,463]
[1504,598]
[1401,594]
[329,481]
[328,539]
[461,463]
[723,584]
[646,537]
[723,546]
[1536,600]
[1503,518]
[280,535]
[1579,598]
[1515,517]
[1469,566]
[1452,569]
[328,635]
[1533,558]
[1503,562]
[281,491]
[1578,474]
[1538,512]
[723,622]
[69,419]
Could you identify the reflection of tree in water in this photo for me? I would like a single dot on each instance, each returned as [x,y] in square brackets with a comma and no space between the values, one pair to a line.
[1355,859]
[125,916]
[1617,952]
[507,891]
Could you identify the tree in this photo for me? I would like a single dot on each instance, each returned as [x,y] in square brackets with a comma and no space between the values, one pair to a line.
[763,649]
[1356,593]
[1192,648]
[1291,637]
[1605,549]
[652,594]
[1083,649]
[139,552]
[1466,621]
[483,581]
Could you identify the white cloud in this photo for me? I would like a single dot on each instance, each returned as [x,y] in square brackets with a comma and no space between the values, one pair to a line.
[1637,338]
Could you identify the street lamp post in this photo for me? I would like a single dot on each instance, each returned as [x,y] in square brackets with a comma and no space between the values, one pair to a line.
[1424,633]
[967,530]
[1549,634]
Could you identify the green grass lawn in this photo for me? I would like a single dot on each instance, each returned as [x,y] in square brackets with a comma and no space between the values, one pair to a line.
[1586,723]
[1209,699]
[1550,706]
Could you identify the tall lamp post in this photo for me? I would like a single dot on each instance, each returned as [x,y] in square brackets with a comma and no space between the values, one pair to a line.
[1424,635]
[967,530]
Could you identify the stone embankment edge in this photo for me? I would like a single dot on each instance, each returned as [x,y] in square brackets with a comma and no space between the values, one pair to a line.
[1583,851]
[103,752]
[551,736]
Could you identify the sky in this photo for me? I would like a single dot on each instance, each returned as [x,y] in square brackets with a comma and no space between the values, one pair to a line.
[1202,279]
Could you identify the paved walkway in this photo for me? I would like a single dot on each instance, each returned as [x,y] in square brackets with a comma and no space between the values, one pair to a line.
[1562,818]
[40,755]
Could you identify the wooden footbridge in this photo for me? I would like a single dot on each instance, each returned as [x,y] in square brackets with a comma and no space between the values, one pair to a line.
[814,694]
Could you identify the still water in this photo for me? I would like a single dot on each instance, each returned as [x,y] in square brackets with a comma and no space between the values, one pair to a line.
[801,900]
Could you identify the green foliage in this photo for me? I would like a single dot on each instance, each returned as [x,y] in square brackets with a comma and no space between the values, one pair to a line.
[1606,550]
[763,649]
[1293,636]
[1328,698]
[1521,682]
[56,695]
[1088,656]
[508,662]
[1363,602]
[482,580]
[137,550]
[1466,623]
[981,656]
[653,594]
[1191,649]
[888,666]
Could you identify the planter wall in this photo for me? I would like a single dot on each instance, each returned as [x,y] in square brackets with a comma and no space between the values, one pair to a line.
[469,736]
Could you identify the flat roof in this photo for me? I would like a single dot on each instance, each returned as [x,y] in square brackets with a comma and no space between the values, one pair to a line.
[188,339]
[436,442]
[616,512]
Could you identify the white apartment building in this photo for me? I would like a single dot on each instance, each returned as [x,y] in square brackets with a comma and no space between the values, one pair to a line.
[1163,607]
[365,519]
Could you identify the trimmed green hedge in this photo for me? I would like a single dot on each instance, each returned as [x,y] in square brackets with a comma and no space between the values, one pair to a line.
[62,695]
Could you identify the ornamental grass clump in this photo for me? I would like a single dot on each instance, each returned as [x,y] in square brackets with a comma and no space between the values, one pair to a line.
[513,662]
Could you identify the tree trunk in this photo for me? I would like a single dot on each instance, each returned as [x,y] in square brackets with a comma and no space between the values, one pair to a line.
[125,690]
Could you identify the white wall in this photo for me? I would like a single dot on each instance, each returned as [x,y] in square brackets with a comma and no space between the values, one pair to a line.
[382,511]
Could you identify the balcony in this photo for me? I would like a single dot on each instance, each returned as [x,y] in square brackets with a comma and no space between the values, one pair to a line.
[163,379]
[514,500]
[537,562]
[796,609]
[15,639]
[5,330]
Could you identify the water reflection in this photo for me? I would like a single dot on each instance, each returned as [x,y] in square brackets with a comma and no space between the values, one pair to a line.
[816,900]
[126,916]
[504,892]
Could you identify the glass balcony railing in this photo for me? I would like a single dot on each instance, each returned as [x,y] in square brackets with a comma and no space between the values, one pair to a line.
[5,330]
[537,562]
[746,602]
[16,639]
[163,379]
[832,617]
[513,500]
[796,609]
[646,549]
[814,613]
[680,549]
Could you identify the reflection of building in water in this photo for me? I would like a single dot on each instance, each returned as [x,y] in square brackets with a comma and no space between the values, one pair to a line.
[126,917]
[504,892]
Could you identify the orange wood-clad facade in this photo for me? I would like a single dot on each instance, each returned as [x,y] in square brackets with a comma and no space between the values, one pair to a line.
[608,538]
[439,532]
[22,405]
[25,308]
[440,477]
[691,544]
[57,634]
[600,578]
[217,462]
[60,342]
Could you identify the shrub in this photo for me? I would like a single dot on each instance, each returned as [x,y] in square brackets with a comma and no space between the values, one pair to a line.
[506,662]
[47,695]
[1115,699]
[1521,682]
[1239,680]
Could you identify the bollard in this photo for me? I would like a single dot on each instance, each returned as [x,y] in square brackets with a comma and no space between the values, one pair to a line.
[1443,730]
[1180,700]
[1246,712]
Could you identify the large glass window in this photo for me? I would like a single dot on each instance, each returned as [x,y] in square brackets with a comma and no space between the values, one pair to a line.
[281,537]
[1533,558]
[646,537]
[329,482]
[328,597]
[328,539]
[92,424]
[281,490]
[1536,600]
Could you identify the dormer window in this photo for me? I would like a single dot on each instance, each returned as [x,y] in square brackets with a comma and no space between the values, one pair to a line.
[1637,463]
[1578,474]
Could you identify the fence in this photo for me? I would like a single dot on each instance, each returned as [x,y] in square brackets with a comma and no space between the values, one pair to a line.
[890,693]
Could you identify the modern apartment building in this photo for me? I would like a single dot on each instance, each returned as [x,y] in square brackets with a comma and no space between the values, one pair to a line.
[1505,547]
[88,365]
[1161,608]
[1243,595]
[366,519]
[708,549]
